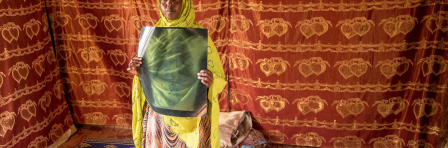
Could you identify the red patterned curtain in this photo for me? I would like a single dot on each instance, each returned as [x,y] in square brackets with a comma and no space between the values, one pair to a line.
[312,73]
[341,73]
[33,113]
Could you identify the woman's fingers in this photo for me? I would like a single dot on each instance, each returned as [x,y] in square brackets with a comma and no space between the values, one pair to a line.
[206,83]
[206,77]
[134,64]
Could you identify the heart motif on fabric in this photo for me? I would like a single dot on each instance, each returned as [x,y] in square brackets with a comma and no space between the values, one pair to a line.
[345,71]
[390,28]
[306,30]
[140,21]
[117,56]
[437,21]
[273,102]
[356,26]
[91,54]
[277,105]
[435,64]
[50,56]
[352,106]
[113,22]
[425,107]
[28,110]
[308,139]
[29,32]
[314,65]
[93,87]
[397,66]
[123,119]
[355,108]
[316,25]
[266,105]
[240,61]
[406,26]
[63,85]
[278,67]
[32,28]
[400,24]
[239,96]
[83,22]
[273,65]
[305,70]
[95,118]
[7,121]
[39,64]
[61,20]
[310,104]
[432,26]
[275,26]
[122,89]
[239,23]
[45,101]
[303,108]
[87,20]
[361,28]
[63,52]
[347,30]
[10,31]
[266,68]
[56,132]
[243,25]
[267,30]
[385,109]
[343,110]
[438,67]
[356,67]
[19,71]
[214,24]
[319,28]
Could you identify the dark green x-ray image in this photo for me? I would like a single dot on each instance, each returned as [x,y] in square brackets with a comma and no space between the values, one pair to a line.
[172,57]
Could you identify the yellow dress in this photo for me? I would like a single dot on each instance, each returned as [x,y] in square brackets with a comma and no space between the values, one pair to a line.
[187,127]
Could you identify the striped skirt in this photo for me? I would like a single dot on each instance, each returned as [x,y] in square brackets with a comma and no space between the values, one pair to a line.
[156,134]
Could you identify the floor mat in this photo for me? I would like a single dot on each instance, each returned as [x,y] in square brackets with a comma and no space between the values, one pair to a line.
[94,142]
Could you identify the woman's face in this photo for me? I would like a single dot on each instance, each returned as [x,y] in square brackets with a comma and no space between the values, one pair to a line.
[171,8]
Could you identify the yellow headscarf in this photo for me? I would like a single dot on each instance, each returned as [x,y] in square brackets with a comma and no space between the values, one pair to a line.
[187,128]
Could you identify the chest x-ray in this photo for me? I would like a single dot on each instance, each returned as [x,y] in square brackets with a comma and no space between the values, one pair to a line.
[172,57]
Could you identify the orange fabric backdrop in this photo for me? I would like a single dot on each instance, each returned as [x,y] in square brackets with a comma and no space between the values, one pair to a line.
[341,73]
[315,73]
[33,109]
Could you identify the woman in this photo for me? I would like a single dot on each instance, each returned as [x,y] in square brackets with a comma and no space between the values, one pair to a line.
[154,130]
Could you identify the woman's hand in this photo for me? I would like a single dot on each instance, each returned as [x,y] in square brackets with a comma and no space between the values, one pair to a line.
[134,64]
[206,77]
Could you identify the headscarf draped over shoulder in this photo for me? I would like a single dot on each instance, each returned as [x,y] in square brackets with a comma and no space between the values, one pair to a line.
[187,127]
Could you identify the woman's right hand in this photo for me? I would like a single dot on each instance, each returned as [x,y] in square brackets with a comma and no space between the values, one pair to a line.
[134,64]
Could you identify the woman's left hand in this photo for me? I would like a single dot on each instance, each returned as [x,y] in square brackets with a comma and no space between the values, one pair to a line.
[206,77]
